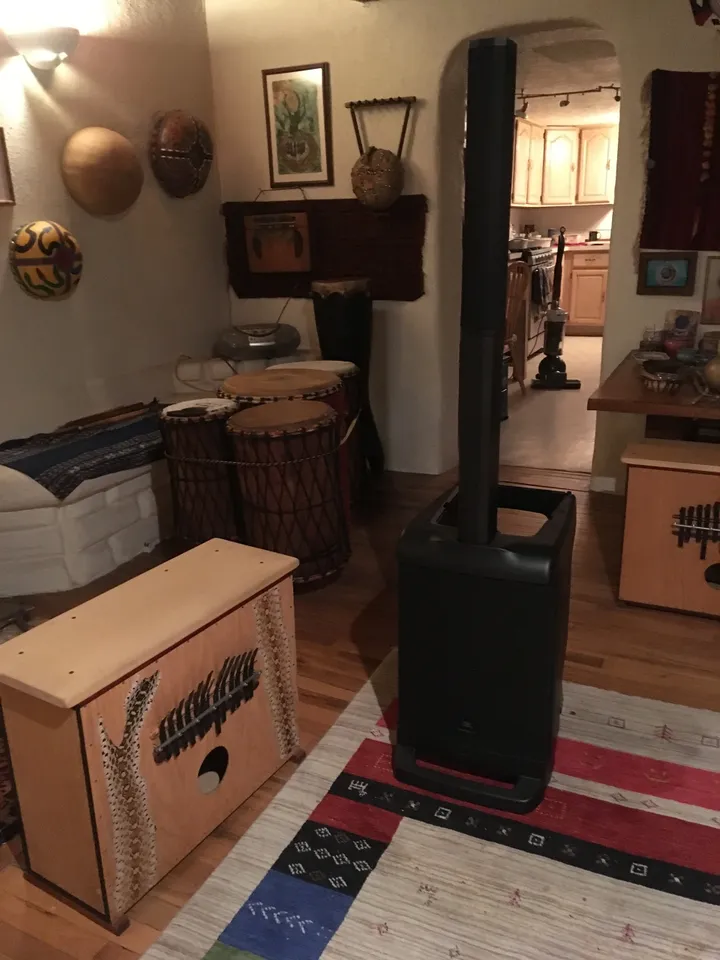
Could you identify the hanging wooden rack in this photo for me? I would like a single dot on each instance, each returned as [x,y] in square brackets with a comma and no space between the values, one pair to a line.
[408,102]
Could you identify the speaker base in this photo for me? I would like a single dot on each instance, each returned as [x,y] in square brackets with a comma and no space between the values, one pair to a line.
[521,797]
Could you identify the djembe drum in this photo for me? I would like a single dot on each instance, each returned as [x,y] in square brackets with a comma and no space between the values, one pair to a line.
[275,383]
[279,383]
[204,486]
[349,375]
[288,471]
[344,321]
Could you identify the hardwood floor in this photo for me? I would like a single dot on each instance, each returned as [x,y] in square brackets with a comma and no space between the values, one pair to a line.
[344,632]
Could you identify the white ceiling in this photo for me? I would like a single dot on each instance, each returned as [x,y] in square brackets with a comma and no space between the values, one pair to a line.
[569,59]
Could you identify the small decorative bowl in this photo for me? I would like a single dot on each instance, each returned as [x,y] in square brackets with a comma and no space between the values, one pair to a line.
[662,376]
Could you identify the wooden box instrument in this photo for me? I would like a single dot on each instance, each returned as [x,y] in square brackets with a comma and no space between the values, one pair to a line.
[140,720]
[671,547]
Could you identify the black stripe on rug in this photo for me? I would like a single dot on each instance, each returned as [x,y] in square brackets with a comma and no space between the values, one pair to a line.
[606,861]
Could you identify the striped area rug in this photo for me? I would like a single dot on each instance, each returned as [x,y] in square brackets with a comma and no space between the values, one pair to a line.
[621,860]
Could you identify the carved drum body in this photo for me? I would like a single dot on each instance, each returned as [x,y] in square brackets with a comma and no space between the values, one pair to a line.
[152,757]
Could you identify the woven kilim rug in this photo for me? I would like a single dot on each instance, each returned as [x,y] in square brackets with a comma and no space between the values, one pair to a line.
[621,860]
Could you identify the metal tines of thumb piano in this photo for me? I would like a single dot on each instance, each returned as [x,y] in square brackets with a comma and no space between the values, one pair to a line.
[700,523]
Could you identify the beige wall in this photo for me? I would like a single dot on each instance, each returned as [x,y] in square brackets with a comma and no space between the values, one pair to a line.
[154,283]
[400,47]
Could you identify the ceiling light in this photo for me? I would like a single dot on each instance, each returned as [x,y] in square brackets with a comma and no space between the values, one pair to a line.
[45,49]
[566,101]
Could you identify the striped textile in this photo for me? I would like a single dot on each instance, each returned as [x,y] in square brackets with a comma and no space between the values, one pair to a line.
[622,858]
[61,461]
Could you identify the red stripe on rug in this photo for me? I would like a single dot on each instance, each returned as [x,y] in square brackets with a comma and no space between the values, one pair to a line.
[360,818]
[642,834]
[628,771]
[389,718]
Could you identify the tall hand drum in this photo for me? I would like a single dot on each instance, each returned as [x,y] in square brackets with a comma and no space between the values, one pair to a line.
[344,321]
[204,485]
[350,378]
[288,470]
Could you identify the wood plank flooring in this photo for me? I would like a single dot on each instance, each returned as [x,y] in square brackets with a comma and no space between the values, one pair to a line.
[344,632]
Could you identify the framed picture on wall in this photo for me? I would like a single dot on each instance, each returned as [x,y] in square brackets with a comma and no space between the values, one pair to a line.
[667,274]
[711,299]
[7,193]
[299,125]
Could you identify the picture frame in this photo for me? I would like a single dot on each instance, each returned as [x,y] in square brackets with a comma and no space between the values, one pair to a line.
[7,191]
[667,273]
[710,316]
[298,119]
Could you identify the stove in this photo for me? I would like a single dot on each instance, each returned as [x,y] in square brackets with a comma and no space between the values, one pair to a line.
[542,258]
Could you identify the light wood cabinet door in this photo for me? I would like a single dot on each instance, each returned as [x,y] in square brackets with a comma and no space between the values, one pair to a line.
[537,162]
[587,295]
[598,153]
[561,160]
[521,170]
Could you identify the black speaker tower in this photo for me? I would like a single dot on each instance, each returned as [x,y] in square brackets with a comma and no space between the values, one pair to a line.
[483,616]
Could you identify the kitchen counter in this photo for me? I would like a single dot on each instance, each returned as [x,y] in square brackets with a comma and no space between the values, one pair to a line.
[583,247]
[623,392]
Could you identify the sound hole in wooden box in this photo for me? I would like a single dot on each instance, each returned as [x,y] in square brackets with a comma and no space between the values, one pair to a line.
[712,575]
[212,770]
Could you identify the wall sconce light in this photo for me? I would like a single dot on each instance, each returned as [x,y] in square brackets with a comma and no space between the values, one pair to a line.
[45,49]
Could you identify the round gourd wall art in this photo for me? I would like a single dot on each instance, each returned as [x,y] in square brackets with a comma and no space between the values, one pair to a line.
[181,153]
[46,260]
[101,171]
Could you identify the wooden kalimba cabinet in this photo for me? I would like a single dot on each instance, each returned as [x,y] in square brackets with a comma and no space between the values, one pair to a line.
[139,721]
[671,548]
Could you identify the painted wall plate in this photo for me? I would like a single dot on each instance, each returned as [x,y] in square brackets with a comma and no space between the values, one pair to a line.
[101,171]
[46,260]
[181,153]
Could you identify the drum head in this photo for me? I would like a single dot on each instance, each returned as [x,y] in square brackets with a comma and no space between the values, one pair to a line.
[346,288]
[341,368]
[279,383]
[200,409]
[284,416]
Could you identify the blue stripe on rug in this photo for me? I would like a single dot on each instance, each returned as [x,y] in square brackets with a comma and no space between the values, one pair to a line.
[287,919]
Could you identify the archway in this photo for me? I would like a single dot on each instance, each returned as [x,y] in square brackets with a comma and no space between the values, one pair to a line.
[450,143]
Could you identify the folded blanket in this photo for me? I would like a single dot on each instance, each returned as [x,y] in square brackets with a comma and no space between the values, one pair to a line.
[61,461]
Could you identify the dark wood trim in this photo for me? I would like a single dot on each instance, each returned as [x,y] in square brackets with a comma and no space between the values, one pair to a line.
[20,828]
[647,255]
[118,928]
[327,112]
[5,160]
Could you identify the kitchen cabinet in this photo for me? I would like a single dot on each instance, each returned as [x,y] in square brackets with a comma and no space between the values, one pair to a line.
[563,166]
[587,296]
[521,169]
[560,177]
[597,166]
[536,166]
[528,165]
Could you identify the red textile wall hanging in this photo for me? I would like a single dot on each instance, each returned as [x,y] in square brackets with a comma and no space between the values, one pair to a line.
[682,209]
